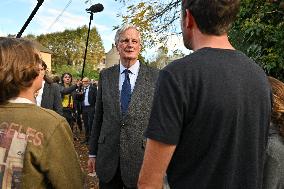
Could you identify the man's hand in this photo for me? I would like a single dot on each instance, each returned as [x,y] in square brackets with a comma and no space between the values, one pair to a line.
[92,165]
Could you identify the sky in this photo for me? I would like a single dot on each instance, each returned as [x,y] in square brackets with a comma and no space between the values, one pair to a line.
[58,15]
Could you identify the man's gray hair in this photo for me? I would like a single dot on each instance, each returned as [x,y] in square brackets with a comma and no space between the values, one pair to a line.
[123,29]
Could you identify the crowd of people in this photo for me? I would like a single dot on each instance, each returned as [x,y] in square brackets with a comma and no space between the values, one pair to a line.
[36,143]
[212,119]
[74,100]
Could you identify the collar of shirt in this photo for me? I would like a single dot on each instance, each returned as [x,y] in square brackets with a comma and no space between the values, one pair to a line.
[39,95]
[86,94]
[21,100]
[134,68]
[87,87]
[133,76]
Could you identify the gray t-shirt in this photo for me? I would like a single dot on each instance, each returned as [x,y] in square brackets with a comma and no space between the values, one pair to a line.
[215,105]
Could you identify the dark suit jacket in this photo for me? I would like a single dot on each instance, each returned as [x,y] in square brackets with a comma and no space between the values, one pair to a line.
[92,95]
[118,140]
[51,97]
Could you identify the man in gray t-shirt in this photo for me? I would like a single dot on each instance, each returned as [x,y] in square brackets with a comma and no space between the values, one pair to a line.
[211,110]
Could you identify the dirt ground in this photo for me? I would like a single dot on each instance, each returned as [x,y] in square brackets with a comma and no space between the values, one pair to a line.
[82,150]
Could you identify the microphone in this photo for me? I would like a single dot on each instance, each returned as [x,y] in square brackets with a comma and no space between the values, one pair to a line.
[95,8]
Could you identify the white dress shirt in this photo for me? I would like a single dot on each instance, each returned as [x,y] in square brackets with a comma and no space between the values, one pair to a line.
[39,95]
[132,76]
[86,94]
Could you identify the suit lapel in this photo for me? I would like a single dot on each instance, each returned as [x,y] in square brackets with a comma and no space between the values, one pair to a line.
[140,83]
[45,94]
[113,83]
[90,94]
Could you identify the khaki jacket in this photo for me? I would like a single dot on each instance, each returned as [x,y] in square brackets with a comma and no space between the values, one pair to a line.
[36,149]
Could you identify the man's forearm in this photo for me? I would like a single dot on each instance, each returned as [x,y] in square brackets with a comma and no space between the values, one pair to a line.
[156,159]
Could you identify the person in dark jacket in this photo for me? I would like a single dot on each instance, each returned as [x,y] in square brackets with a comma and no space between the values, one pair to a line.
[68,94]
[49,95]
[88,107]
[124,101]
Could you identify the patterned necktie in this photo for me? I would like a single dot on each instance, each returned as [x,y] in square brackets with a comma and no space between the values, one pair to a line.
[125,95]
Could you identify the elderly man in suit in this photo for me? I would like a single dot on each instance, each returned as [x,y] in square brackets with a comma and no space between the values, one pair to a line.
[88,107]
[123,105]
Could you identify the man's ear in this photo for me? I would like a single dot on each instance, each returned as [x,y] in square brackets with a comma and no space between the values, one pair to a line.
[189,20]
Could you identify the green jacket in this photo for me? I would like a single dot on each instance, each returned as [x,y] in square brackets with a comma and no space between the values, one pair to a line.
[36,149]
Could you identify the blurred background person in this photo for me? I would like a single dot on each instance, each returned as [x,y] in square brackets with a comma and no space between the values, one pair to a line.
[49,95]
[88,106]
[78,108]
[36,143]
[92,81]
[274,163]
[56,79]
[68,94]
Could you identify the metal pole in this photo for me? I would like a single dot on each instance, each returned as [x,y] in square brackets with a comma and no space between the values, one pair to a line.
[91,18]
[39,3]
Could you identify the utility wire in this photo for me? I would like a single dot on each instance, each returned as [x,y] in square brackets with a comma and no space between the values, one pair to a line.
[57,18]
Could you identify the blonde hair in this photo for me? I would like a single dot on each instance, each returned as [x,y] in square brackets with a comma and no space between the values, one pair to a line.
[278,102]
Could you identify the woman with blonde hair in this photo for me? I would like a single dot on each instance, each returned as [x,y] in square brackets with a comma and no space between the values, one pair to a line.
[274,164]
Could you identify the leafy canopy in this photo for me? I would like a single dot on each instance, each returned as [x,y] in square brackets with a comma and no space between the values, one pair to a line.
[258,31]
[68,49]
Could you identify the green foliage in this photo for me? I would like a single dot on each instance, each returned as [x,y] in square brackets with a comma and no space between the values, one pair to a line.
[31,37]
[156,19]
[163,58]
[259,33]
[68,49]
[76,71]
[90,72]
[142,59]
